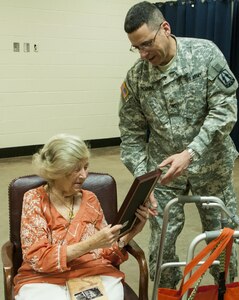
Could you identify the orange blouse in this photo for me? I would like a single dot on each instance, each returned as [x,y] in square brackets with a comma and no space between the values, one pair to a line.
[45,234]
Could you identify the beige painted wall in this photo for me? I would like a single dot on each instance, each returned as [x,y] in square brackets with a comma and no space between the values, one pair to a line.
[72,84]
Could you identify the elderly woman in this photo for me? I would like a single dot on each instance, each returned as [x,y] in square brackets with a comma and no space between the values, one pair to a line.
[64,234]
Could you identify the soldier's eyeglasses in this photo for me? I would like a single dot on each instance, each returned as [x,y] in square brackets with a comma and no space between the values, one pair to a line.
[145,46]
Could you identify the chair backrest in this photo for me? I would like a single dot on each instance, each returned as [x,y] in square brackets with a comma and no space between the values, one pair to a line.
[103,185]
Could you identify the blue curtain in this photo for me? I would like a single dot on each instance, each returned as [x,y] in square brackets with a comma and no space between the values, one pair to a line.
[210,19]
[216,20]
[234,63]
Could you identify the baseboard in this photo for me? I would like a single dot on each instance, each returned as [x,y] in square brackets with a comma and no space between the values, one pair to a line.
[30,150]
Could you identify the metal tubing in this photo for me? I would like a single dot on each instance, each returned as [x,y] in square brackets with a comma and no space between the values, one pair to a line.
[224,212]
[207,236]
[195,199]
[234,218]
[159,260]
[185,199]
[183,264]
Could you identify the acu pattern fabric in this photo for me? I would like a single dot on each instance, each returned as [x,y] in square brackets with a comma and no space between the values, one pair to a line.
[190,104]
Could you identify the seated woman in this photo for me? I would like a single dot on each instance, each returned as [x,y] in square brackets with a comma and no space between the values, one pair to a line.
[64,234]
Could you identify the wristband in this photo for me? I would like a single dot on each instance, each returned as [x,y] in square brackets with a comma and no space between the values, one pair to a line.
[191,153]
[121,244]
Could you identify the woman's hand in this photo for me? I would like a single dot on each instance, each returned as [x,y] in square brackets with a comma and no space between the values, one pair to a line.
[142,213]
[153,205]
[105,237]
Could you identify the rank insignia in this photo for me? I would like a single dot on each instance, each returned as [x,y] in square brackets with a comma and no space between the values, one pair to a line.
[124,90]
[226,78]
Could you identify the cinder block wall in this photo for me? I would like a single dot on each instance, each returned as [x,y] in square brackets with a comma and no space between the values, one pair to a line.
[70,79]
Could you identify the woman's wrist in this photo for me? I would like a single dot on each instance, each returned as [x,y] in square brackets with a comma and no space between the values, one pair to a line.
[121,243]
[78,249]
[124,240]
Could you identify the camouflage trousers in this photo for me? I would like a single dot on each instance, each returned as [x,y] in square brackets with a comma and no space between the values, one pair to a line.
[210,219]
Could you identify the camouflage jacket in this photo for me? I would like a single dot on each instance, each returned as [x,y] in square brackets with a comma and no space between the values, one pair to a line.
[191,104]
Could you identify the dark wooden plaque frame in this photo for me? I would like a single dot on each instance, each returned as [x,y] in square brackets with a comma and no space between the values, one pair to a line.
[137,195]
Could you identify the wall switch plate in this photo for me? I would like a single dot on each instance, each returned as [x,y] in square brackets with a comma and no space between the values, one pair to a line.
[26,47]
[16,47]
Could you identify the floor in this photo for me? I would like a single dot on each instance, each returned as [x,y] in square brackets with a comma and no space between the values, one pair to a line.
[103,160]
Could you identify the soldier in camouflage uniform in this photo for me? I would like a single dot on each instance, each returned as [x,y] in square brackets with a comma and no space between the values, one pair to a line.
[177,108]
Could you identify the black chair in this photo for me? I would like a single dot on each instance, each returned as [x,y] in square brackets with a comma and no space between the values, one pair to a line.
[104,186]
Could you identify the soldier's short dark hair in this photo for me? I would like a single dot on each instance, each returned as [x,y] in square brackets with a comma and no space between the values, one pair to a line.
[143,13]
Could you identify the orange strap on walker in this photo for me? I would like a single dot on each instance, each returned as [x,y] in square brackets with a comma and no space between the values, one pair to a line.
[223,241]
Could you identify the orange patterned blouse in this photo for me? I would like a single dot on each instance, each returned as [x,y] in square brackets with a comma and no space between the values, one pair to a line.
[45,234]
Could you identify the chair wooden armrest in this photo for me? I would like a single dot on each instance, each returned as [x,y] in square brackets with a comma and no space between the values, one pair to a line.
[7,254]
[134,249]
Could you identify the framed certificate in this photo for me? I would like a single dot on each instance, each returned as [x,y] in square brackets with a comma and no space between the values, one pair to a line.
[137,195]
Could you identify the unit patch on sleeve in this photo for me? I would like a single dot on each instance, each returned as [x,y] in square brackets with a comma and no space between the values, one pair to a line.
[124,90]
[226,78]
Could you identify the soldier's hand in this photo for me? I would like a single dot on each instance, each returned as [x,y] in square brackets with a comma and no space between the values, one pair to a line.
[177,163]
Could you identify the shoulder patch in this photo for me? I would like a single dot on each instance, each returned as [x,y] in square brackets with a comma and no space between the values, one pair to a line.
[124,90]
[226,78]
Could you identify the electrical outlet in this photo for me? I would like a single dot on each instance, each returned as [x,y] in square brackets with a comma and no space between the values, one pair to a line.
[36,47]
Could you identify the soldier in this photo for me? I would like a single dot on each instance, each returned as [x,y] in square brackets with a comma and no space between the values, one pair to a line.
[177,109]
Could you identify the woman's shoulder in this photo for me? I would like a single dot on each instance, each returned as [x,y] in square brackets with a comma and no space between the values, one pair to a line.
[90,198]
[88,195]
[37,193]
